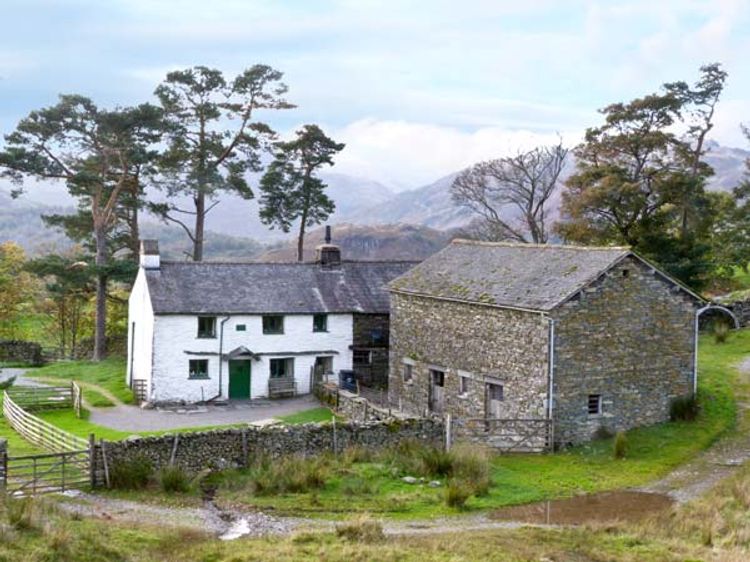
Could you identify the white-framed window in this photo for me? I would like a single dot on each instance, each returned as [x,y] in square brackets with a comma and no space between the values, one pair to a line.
[595,404]
[198,369]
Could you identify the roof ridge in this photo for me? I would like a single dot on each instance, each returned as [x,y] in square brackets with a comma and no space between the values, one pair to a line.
[467,242]
[296,263]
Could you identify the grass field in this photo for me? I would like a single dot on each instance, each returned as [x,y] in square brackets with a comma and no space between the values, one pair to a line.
[313,415]
[109,374]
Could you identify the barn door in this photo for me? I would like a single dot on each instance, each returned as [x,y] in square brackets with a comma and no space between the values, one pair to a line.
[494,400]
[437,391]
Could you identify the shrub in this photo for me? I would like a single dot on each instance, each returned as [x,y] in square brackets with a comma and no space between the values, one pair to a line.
[7,383]
[603,432]
[684,408]
[131,474]
[173,479]
[457,493]
[361,529]
[20,513]
[471,464]
[293,474]
[620,445]
[436,462]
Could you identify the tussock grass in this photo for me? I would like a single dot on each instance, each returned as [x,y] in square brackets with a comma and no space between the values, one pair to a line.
[361,529]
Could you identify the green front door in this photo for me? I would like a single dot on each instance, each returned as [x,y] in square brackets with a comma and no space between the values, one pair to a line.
[239,379]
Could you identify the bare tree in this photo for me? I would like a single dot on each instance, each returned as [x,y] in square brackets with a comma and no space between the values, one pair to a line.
[510,194]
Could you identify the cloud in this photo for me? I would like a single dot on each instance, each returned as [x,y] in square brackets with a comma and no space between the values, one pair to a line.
[405,154]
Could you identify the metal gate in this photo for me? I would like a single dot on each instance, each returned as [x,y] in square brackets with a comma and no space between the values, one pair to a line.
[45,473]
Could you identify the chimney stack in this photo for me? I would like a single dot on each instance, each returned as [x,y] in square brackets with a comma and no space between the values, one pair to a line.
[328,255]
[149,258]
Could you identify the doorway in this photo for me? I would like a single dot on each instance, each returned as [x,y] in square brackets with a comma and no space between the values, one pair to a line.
[239,379]
[437,391]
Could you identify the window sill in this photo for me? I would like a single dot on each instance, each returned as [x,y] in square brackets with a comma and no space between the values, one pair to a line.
[273,333]
[199,378]
[464,396]
[320,331]
[206,337]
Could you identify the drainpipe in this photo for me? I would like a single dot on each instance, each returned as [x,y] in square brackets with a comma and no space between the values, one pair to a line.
[221,356]
[551,378]
[695,347]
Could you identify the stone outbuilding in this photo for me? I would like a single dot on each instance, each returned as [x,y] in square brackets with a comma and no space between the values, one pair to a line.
[589,338]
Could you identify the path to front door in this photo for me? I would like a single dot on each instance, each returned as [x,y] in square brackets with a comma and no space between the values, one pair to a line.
[239,380]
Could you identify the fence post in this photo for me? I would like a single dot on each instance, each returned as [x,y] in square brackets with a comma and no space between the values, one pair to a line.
[333,421]
[92,460]
[3,464]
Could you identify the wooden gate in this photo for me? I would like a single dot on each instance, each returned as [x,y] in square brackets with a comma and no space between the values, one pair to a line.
[45,473]
[504,435]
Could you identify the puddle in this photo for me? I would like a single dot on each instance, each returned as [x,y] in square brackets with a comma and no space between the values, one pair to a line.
[237,529]
[604,507]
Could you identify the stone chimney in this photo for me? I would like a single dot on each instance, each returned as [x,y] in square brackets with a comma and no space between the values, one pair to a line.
[328,255]
[150,254]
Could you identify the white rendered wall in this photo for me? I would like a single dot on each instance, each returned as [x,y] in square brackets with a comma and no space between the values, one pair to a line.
[177,334]
[140,342]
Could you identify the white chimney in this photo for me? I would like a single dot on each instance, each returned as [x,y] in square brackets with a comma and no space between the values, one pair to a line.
[150,254]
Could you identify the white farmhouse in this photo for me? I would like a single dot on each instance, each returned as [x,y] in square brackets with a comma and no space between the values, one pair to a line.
[204,331]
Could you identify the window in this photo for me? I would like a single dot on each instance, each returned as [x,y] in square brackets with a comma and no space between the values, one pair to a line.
[273,324]
[198,369]
[241,328]
[463,385]
[495,392]
[595,404]
[362,357]
[437,377]
[625,272]
[320,322]
[377,336]
[206,326]
[408,374]
[282,367]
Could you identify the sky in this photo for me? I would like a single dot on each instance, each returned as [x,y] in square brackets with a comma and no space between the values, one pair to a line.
[416,89]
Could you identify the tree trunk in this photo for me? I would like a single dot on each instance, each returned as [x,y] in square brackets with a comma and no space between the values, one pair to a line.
[200,219]
[301,239]
[100,330]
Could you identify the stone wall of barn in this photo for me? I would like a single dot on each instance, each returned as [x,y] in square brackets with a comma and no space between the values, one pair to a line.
[230,448]
[629,337]
[485,345]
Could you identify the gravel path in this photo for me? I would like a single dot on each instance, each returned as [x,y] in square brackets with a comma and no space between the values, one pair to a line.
[132,418]
[223,524]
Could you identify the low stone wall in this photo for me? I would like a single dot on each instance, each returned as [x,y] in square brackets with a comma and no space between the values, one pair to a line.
[21,352]
[227,448]
[357,408]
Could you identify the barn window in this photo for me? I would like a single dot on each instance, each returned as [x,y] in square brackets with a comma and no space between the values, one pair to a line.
[437,377]
[495,392]
[595,404]
[362,357]
[273,324]
[408,372]
[625,272]
[463,385]
[206,326]
[198,369]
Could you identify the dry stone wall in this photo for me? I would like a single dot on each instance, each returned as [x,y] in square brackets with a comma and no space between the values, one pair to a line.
[21,351]
[629,338]
[220,449]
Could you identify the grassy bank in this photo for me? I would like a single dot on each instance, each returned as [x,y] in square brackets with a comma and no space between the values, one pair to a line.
[108,374]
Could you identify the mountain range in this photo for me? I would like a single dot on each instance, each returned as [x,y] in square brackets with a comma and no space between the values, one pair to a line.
[236,231]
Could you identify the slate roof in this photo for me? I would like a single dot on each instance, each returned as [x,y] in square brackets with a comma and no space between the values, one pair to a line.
[258,288]
[525,276]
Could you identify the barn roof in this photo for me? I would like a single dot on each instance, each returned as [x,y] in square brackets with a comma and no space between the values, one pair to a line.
[258,288]
[524,276]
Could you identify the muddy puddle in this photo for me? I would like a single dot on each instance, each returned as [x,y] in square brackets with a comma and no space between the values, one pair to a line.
[604,507]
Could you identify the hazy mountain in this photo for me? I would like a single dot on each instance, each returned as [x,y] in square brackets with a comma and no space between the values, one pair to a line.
[431,205]
[360,242]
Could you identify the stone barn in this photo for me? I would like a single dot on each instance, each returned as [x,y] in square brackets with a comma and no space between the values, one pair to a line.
[590,338]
